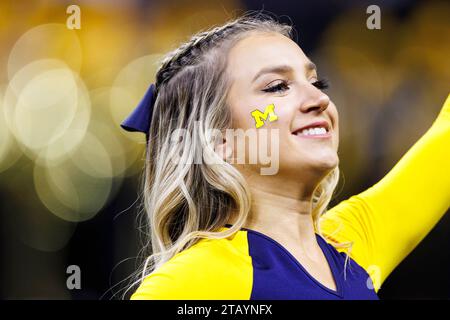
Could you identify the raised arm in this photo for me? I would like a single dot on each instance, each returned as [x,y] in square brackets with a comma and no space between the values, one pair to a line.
[388,220]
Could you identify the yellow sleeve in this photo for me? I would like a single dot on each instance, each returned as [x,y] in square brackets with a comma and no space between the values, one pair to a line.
[388,220]
[210,270]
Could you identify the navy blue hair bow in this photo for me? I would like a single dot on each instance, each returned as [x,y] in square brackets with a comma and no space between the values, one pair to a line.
[141,117]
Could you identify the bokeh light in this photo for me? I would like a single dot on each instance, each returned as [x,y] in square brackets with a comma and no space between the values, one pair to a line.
[47,108]
[47,41]
[69,192]
[9,152]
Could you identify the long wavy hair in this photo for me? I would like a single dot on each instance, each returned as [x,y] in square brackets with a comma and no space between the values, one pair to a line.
[185,202]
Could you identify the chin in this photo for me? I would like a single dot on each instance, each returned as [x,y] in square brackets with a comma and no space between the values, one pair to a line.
[319,164]
[315,166]
[327,161]
[325,169]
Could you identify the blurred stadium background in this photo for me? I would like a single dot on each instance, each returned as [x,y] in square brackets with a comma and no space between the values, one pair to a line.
[69,176]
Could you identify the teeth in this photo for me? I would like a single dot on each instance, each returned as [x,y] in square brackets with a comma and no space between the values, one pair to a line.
[314,131]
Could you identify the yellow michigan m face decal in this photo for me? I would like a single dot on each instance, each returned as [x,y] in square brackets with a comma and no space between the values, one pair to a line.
[260,117]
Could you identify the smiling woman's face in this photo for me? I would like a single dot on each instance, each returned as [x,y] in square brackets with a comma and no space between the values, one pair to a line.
[296,95]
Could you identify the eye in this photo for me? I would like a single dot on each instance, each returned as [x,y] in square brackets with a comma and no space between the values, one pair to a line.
[282,86]
[321,84]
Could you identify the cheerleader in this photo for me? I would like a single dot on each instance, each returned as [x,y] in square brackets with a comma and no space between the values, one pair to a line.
[226,231]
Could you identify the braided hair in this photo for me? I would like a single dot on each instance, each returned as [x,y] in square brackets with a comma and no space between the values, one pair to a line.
[189,52]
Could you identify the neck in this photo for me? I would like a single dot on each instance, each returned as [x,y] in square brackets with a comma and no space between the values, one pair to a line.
[282,209]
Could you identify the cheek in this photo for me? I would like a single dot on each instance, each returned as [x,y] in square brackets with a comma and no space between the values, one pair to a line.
[336,139]
[266,139]
[335,118]
[240,114]
[243,119]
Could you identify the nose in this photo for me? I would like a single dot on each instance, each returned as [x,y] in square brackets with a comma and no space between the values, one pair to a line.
[316,100]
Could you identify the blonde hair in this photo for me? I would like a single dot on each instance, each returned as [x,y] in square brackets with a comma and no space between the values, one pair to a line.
[185,202]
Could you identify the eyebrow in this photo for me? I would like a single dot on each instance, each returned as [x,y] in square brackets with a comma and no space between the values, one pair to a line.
[282,69]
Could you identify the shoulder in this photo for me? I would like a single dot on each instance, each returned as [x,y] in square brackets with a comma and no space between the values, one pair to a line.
[211,269]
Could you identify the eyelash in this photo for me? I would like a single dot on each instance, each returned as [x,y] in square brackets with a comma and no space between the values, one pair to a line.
[320,84]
